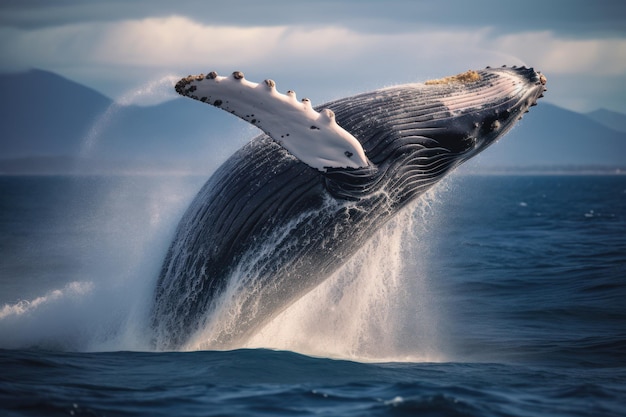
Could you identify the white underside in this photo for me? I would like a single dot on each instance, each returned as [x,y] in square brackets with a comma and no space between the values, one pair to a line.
[313,137]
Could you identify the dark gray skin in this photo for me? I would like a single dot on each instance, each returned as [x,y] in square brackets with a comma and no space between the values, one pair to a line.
[266,228]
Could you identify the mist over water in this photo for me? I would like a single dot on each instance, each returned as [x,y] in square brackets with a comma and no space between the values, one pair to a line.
[377,307]
[374,308]
[110,235]
[516,289]
[154,91]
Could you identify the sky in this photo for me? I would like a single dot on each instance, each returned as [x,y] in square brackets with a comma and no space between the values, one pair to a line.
[133,51]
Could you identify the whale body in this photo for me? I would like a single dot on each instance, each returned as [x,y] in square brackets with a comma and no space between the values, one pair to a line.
[294,204]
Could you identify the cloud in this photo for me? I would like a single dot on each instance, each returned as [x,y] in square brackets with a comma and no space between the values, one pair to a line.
[605,56]
[336,59]
[178,41]
[573,18]
[152,42]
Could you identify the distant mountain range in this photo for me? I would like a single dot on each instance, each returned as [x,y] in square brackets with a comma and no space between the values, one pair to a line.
[51,124]
[54,125]
[553,138]
[611,119]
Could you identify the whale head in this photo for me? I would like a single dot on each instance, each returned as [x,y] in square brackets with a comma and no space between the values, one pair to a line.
[483,105]
[414,134]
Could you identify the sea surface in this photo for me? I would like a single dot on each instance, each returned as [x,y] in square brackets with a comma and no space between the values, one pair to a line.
[498,295]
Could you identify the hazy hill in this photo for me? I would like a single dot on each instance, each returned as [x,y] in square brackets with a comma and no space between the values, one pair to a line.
[53,120]
[552,137]
[610,119]
[51,124]
[44,114]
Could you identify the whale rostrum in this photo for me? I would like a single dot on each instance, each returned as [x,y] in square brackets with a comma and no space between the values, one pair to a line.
[291,206]
[313,137]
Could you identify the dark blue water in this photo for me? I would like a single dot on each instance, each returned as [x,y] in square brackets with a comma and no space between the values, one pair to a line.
[267,383]
[525,315]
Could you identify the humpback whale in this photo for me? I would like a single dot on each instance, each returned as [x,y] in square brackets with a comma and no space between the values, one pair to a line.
[295,203]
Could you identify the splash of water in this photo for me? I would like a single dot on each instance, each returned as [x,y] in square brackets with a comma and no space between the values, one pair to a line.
[121,238]
[27,307]
[153,91]
[375,308]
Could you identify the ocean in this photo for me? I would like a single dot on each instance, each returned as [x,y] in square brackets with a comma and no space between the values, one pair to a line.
[494,295]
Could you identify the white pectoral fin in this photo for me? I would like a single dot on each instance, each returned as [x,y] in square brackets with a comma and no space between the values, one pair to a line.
[313,137]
